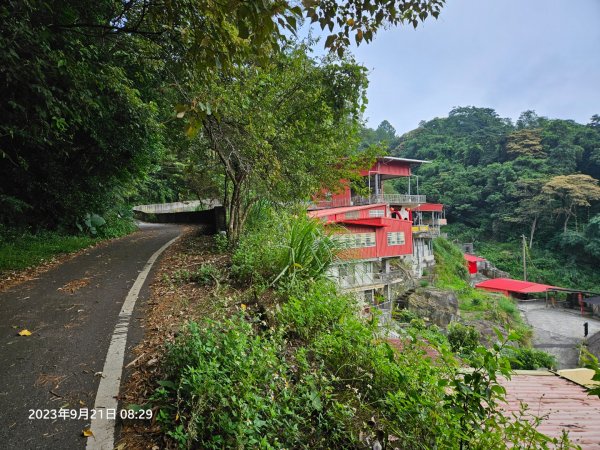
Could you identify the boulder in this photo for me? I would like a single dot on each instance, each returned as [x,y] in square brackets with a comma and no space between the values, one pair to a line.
[438,305]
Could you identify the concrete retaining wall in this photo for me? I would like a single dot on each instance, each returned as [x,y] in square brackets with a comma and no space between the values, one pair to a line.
[212,219]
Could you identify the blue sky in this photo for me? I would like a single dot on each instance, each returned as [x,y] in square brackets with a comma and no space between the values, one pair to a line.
[510,55]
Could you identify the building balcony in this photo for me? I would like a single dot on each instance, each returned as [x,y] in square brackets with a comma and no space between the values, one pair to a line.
[427,231]
[370,280]
[419,229]
[392,199]
[435,222]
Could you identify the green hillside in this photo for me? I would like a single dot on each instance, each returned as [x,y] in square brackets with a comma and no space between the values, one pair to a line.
[500,180]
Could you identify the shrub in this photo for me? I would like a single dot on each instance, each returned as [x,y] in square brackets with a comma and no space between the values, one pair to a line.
[229,387]
[404,315]
[221,242]
[323,377]
[307,251]
[524,358]
[287,250]
[462,338]
[206,275]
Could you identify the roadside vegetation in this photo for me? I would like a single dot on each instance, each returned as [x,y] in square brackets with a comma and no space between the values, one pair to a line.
[292,363]
[23,248]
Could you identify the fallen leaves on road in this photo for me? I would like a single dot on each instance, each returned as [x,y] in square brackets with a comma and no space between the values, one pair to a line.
[24,333]
[74,285]
[45,379]
[87,433]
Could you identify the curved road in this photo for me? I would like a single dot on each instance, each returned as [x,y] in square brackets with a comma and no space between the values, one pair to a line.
[558,331]
[72,311]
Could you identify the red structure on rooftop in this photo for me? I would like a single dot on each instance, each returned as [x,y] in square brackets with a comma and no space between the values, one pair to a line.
[385,168]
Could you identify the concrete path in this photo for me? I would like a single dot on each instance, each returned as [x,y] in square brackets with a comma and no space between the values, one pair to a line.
[557,331]
[72,311]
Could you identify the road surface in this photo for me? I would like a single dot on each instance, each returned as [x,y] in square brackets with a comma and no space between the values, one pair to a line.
[72,312]
[558,331]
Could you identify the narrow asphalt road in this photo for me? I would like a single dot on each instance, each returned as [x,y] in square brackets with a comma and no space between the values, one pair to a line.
[71,311]
[558,331]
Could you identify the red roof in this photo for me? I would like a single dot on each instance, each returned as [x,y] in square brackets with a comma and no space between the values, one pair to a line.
[370,222]
[473,258]
[429,207]
[562,404]
[329,211]
[507,284]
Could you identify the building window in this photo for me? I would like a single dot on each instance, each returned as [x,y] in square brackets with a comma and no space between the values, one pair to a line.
[376,213]
[355,240]
[395,238]
[351,215]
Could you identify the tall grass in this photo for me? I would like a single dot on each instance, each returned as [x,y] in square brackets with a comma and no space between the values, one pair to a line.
[24,250]
[21,248]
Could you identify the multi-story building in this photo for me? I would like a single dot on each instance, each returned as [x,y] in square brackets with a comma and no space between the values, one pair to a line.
[386,238]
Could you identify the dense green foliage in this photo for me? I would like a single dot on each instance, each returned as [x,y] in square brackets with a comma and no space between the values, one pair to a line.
[499,180]
[77,126]
[462,338]
[312,371]
[89,89]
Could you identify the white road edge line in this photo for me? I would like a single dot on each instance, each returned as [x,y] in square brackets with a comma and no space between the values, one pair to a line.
[103,429]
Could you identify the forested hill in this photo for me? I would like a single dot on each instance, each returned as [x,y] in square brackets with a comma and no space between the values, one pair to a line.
[499,180]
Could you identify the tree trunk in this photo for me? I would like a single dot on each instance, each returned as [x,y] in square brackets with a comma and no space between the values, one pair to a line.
[235,206]
[533,225]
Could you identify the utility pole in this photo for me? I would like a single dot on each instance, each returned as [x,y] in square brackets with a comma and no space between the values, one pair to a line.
[524,258]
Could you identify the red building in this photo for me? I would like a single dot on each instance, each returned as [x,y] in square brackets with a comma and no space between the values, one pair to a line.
[369,231]
[385,168]
[381,234]
[473,263]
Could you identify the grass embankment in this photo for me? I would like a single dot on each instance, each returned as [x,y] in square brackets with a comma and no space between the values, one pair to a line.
[22,249]
[271,355]
[451,273]
[27,250]
[484,310]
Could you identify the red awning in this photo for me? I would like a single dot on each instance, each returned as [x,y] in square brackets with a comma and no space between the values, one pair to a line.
[368,222]
[473,258]
[518,286]
[341,210]
[429,207]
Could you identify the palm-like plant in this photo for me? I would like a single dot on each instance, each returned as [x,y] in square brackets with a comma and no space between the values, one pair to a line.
[307,251]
